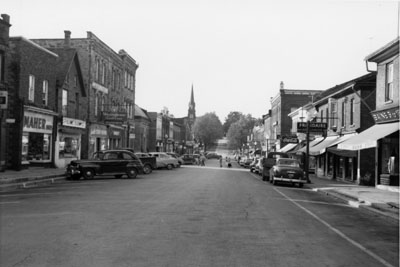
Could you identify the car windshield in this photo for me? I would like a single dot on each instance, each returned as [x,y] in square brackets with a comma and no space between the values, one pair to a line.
[288,162]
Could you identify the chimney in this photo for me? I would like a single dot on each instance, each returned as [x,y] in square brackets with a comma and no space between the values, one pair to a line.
[67,38]
[282,85]
[6,18]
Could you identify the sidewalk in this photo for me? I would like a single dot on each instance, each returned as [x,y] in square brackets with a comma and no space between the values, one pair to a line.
[380,199]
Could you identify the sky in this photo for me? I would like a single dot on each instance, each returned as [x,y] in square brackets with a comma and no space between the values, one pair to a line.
[234,53]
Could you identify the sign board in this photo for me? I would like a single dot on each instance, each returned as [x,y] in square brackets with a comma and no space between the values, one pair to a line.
[115,117]
[290,139]
[3,99]
[387,115]
[313,126]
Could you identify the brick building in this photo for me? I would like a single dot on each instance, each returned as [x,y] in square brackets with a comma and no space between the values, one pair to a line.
[4,89]
[32,104]
[110,81]
[285,102]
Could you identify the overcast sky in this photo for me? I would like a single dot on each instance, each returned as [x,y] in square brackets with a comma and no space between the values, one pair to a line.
[235,53]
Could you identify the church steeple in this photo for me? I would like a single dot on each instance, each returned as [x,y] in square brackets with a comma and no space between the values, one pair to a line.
[192,108]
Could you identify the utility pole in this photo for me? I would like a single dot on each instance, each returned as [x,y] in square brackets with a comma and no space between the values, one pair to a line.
[306,161]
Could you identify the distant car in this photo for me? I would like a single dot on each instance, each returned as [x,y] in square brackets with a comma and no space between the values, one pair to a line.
[259,167]
[188,159]
[165,161]
[287,170]
[212,155]
[149,162]
[106,162]
[253,164]
[247,162]
[174,155]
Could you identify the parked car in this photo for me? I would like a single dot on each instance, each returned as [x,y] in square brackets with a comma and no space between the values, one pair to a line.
[188,159]
[212,155]
[270,161]
[287,170]
[253,164]
[259,167]
[247,162]
[174,155]
[164,160]
[106,162]
[149,162]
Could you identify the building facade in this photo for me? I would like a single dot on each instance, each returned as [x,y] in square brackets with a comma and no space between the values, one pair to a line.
[382,139]
[110,81]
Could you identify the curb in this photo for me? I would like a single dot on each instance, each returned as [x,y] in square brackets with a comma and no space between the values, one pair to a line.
[359,203]
[31,182]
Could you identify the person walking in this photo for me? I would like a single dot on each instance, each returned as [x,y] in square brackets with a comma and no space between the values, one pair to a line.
[220,161]
[202,160]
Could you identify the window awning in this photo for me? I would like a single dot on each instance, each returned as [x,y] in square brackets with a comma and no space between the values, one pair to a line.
[369,137]
[320,148]
[312,143]
[287,148]
[342,153]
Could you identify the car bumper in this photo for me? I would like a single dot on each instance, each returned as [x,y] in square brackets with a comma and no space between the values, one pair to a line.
[73,171]
[290,180]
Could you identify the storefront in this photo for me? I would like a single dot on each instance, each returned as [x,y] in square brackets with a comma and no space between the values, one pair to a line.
[98,138]
[115,136]
[37,137]
[68,142]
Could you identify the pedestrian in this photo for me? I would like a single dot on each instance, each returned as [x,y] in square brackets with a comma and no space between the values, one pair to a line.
[220,161]
[202,160]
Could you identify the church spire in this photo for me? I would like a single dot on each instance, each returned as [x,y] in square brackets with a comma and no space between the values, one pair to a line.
[192,108]
[192,97]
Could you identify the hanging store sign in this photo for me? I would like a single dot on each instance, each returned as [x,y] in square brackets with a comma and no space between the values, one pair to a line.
[290,139]
[36,122]
[312,126]
[74,123]
[115,117]
[388,115]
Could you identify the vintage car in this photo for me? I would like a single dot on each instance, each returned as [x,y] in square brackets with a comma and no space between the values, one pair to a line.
[174,155]
[188,159]
[165,161]
[106,162]
[269,161]
[149,162]
[287,170]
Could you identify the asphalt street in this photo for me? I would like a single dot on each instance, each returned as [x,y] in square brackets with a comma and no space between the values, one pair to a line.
[190,216]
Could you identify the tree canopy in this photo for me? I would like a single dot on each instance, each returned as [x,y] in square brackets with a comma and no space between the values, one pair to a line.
[239,130]
[208,129]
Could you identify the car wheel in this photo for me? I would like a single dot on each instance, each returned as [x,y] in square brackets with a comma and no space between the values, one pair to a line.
[147,169]
[170,167]
[118,176]
[88,174]
[132,173]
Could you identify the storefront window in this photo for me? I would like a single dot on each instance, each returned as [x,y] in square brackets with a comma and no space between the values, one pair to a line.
[390,156]
[37,147]
[68,147]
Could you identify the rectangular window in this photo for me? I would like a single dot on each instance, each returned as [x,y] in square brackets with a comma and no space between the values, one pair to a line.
[352,111]
[389,82]
[45,92]
[31,96]
[1,66]
[333,113]
[343,113]
[64,102]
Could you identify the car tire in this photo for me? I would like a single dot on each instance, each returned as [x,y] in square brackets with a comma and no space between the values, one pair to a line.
[88,173]
[147,169]
[132,173]
[170,167]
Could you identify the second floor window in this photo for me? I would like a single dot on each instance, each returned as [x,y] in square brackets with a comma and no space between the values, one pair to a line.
[352,111]
[31,93]
[389,82]
[64,102]
[45,92]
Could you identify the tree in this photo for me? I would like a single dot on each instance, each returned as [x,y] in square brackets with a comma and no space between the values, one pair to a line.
[239,130]
[208,129]
[232,117]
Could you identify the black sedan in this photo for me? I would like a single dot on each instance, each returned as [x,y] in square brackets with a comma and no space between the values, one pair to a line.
[287,170]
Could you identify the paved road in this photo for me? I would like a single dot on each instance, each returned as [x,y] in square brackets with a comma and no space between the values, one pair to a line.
[192,216]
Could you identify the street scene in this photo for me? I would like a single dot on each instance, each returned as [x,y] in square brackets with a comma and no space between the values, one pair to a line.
[199,133]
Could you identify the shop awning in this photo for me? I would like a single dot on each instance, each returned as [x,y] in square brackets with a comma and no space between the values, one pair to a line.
[320,148]
[287,148]
[369,137]
[312,143]
[342,152]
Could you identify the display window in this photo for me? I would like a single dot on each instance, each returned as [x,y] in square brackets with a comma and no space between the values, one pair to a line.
[68,147]
[36,147]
